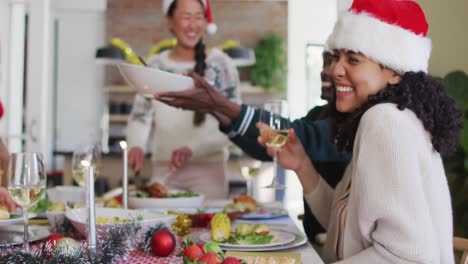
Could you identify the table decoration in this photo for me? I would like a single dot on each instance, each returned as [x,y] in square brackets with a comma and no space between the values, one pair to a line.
[182,225]
[123,145]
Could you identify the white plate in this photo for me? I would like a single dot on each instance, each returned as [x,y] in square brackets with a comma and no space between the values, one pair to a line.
[280,238]
[265,213]
[64,193]
[16,219]
[78,218]
[14,235]
[181,202]
[299,240]
[147,80]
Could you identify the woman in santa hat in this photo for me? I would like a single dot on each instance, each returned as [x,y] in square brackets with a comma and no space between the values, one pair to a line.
[187,145]
[393,203]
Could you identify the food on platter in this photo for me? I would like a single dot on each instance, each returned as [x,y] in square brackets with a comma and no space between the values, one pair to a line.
[57,207]
[157,190]
[244,203]
[113,203]
[4,214]
[220,227]
[249,234]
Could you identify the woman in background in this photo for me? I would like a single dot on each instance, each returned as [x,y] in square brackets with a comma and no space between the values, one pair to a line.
[187,145]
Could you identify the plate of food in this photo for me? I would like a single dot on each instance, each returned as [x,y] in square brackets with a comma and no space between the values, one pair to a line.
[113,216]
[7,218]
[258,236]
[254,211]
[156,195]
[147,81]
[200,216]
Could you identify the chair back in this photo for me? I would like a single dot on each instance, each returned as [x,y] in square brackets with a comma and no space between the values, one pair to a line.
[461,244]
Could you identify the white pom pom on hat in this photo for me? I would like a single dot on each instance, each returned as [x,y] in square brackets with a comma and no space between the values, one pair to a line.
[390,32]
[211,27]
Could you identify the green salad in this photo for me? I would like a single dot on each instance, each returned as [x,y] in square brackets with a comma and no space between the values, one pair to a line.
[254,239]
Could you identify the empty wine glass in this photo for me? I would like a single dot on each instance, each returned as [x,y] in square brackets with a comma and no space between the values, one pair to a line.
[26,179]
[275,114]
[88,153]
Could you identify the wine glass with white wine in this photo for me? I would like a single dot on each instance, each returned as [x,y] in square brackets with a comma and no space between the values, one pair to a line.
[250,168]
[275,114]
[88,153]
[26,179]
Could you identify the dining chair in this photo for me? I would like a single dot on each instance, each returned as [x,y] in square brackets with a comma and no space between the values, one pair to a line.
[461,244]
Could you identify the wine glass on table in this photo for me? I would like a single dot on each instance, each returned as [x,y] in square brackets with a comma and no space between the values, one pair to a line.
[26,181]
[250,168]
[275,114]
[88,153]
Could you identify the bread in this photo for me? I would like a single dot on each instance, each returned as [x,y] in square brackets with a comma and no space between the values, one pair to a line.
[4,214]
[245,203]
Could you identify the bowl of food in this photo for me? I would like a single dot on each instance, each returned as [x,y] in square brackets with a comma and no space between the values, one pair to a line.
[106,217]
[147,80]
[157,196]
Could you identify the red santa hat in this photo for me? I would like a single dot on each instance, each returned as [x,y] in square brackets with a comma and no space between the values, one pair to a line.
[390,32]
[211,27]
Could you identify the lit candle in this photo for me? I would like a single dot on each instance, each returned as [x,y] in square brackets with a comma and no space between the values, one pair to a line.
[123,145]
[91,206]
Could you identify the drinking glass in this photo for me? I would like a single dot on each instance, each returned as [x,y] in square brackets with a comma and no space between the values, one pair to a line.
[26,179]
[88,153]
[275,114]
[250,168]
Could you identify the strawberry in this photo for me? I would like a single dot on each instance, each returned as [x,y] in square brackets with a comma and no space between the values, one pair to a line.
[210,258]
[193,252]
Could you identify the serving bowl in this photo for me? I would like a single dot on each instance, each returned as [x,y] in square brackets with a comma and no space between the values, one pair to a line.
[190,202]
[65,193]
[78,218]
[147,80]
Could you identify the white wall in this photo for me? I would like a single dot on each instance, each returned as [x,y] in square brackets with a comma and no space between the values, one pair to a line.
[309,21]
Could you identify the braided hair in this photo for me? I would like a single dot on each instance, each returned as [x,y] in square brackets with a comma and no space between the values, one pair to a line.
[426,96]
[200,63]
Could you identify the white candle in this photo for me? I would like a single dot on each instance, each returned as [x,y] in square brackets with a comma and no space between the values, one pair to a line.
[123,145]
[91,206]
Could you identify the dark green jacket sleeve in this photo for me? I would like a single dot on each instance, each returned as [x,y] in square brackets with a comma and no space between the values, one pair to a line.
[315,137]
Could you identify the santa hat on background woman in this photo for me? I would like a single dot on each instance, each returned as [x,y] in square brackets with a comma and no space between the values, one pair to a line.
[390,32]
[211,27]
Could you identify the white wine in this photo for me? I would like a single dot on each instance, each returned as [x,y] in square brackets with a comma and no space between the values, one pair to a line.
[79,175]
[249,171]
[26,196]
[274,138]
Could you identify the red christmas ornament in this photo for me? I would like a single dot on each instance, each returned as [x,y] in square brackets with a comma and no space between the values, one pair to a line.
[163,243]
[49,244]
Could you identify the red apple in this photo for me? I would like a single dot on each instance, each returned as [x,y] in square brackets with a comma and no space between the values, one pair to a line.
[163,243]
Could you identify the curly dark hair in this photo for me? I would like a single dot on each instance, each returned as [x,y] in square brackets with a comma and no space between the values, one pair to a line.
[424,95]
[200,63]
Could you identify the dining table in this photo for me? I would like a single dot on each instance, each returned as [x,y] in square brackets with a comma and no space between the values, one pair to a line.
[283,223]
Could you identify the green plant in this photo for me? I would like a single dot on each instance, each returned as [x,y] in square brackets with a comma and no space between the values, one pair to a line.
[456,166]
[269,70]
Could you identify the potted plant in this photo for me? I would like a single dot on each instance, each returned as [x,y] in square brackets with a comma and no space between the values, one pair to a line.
[269,70]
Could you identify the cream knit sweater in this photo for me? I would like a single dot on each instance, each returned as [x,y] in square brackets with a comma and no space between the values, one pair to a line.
[172,128]
[398,209]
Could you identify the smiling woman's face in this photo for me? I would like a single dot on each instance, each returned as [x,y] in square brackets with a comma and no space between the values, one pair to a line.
[356,77]
[187,22]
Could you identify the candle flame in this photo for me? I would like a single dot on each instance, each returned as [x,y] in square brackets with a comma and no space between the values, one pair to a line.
[85,163]
[123,145]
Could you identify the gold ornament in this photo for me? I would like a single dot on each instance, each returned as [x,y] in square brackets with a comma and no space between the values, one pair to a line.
[66,246]
[182,225]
